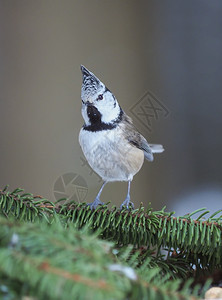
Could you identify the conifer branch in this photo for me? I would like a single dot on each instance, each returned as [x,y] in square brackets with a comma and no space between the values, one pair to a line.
[47,262]
[192,245]
[197,241]
[24,206]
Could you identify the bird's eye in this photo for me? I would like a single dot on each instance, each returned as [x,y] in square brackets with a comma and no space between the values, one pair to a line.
[100,97]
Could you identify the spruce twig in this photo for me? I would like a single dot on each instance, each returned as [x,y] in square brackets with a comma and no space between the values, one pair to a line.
[193,246]
[24,206]
[49,263]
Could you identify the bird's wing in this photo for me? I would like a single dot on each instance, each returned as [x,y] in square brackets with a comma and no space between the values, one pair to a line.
[141,143]
[136,139]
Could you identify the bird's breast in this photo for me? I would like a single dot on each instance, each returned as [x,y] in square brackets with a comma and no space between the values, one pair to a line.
[110,155]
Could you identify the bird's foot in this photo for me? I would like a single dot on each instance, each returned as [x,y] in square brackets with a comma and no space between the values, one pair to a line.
[95,203]
[127,203]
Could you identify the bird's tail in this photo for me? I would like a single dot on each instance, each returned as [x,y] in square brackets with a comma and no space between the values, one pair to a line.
[156,148]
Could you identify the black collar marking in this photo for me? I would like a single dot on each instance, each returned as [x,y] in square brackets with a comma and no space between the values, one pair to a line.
[95,120]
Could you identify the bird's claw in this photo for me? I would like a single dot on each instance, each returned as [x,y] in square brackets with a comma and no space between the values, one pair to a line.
[95,203]
[127,204]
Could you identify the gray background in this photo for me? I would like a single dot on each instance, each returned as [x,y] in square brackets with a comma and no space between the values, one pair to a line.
[170,48]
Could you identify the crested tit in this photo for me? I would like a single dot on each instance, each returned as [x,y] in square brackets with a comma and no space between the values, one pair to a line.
[113,147]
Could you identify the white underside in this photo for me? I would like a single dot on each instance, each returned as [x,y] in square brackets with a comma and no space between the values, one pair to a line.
[110,155]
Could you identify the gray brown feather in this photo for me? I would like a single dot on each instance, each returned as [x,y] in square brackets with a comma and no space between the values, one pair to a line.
[135,138]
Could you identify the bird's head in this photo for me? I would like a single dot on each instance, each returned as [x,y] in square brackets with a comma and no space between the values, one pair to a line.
[99,105]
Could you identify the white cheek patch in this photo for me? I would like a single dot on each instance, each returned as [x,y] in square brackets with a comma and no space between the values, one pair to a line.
[109,108]
[110,114]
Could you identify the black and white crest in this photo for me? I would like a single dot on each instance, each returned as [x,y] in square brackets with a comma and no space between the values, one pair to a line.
[91,85]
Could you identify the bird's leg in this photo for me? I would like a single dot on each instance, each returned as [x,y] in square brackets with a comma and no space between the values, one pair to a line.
[97,201]
[127,201]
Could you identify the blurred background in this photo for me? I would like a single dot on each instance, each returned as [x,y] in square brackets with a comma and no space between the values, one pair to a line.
[163,62]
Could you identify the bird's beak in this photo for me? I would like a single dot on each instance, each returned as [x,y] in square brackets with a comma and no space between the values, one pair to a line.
[88,103]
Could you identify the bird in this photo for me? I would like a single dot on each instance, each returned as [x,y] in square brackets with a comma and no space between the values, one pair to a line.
[111,144]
